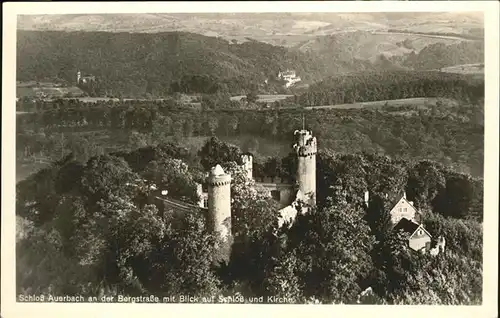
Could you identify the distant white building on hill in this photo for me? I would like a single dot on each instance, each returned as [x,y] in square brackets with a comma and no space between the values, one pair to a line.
[84,79]
[290,77]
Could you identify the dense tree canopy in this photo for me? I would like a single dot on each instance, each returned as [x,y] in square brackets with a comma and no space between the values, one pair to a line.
[375,86]
[91,221]
[451,136]
[104,239]
[158,64]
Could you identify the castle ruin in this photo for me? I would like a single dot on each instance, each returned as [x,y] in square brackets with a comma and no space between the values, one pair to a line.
[293,198]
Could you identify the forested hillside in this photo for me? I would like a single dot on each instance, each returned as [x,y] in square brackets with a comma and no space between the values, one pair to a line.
[439,55]
[113,208]
[135,64]
[139,65]
[375,86]
[451,135]
[102,236]
[393,51]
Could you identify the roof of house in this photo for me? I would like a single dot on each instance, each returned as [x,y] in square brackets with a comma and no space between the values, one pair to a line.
[402,197]
[409,227]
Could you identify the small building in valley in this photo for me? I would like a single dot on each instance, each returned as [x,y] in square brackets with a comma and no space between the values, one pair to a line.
[418,238]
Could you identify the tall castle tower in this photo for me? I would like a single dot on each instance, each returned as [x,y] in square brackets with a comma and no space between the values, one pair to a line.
[219,202]
[306,148]
[78,77]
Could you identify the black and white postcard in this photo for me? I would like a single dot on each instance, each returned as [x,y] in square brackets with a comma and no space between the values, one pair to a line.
[250,158]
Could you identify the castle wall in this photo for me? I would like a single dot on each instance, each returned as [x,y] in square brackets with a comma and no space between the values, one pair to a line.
[286,191]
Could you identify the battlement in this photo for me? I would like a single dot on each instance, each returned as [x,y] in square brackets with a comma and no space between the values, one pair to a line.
[218,177]
[247,158]
[275,180]
[305,143]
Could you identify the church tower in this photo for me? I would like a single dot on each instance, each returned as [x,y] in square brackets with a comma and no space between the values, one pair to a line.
[219,203]
[306,148]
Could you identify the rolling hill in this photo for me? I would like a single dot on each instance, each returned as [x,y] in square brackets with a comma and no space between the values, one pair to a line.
[137,63]
[274,28]
[234,53]
[410,50]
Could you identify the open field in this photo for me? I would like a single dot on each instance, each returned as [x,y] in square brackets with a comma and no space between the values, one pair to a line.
[368,45]
[277,28]
[421,102]
[24,170]
[432,36]
[263,98]
[26,91]
[476,68]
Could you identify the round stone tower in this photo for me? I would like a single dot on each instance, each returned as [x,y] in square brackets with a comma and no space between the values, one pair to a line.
[247,160]
[219,202]
[306,148]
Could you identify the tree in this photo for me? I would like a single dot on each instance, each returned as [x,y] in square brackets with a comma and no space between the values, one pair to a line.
[216,152]
[289,166]
[172,175]
[283,280]
[458,198]
[43,268]
[254,218]
[107,175]
[213,124]
[250,145]
[425,182]
[378,216]
[448,279]
[463,237]
[333,246]
[184,259]
[162,128]
[188,127]
[252,97]
[36,197]
[233,123]
[386,177]
[137,140]
[341,175]
[395,265]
